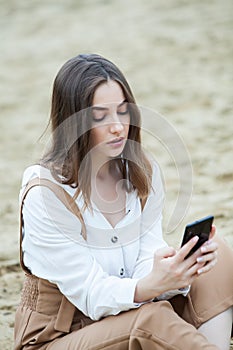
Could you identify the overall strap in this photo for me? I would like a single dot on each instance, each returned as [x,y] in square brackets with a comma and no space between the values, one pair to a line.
[61,194]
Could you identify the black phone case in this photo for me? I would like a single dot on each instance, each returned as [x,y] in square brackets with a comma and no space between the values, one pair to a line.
[201,228]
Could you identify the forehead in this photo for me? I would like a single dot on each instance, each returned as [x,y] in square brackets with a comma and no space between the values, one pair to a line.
[108,93]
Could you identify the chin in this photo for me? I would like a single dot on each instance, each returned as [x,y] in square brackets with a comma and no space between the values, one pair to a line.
[115,154]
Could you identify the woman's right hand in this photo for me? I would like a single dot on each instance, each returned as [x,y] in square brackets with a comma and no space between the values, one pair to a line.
[172,271]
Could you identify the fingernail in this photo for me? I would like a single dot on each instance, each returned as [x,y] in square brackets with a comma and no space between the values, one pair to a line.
[203,249]
[200,259]
[199,271]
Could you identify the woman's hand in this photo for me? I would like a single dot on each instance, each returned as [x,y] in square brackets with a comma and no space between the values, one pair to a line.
[208,254]
[172,271]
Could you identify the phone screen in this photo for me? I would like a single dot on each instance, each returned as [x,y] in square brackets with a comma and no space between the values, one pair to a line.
[201,228]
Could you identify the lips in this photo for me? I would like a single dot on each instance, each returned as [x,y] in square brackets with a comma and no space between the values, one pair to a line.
[116,141]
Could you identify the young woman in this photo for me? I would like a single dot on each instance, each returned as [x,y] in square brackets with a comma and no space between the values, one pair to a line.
[98,272]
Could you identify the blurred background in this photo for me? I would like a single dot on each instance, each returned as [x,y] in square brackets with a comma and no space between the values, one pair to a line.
[177,56]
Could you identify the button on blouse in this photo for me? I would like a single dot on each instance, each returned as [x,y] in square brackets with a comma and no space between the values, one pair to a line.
[98,276]
[114,239]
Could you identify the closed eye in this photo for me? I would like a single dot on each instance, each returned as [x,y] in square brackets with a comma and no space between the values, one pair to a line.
[123,108]
[98,119]
[98,114]
[123,113]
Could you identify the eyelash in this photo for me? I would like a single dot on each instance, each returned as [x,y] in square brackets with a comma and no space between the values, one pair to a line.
[123,113]
[100,119]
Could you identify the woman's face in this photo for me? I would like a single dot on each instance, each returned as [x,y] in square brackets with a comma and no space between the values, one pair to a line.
[110,120]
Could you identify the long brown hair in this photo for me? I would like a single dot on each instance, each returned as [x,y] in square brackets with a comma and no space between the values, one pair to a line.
[73,92]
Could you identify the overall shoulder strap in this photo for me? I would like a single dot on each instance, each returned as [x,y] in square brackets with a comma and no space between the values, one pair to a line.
[61,194]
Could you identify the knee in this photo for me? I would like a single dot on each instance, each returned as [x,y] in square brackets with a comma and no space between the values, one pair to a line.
[153,316]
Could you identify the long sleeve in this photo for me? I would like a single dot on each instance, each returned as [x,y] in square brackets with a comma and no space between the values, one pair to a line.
[151,238]
[55,250]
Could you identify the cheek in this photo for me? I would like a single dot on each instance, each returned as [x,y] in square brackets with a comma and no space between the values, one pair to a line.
[97,136]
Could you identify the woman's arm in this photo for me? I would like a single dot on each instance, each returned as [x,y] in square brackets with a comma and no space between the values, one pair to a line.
[172,271]
[157,268]
[55,250]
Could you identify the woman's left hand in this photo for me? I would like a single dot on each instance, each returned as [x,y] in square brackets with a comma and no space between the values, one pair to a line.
[207,256]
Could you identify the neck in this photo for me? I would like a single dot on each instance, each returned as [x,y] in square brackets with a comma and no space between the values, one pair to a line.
[100,168]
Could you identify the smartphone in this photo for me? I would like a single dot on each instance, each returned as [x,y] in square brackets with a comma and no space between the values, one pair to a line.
[201,228]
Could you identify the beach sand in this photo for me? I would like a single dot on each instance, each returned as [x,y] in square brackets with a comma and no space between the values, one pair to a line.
[177,56]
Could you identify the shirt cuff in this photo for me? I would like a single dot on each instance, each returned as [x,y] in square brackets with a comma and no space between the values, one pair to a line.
[126,295]
[171,293]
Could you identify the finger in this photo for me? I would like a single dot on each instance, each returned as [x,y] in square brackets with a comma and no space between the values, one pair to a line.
[207,257]
[209,246]
[193,271]
[207,267]
[192,259]
[183,251]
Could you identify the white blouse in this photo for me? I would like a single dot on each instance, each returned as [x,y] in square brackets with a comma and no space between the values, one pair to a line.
[98,275]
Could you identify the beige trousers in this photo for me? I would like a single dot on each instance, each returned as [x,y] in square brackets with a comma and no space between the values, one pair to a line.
[161,325]
[153,326]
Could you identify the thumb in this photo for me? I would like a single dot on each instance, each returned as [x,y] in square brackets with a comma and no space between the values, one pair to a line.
[165,252]
[213,231]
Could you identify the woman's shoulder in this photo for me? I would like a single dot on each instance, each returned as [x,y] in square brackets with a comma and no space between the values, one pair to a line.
[34,171]
[39,171]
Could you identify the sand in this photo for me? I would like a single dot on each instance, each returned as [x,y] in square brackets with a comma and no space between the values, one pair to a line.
[177,56]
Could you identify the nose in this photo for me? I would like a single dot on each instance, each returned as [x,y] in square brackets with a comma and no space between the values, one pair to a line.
[116,125]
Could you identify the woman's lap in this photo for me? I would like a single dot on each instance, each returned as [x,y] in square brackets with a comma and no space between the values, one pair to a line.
[157,325]
[152,326]
[211,293]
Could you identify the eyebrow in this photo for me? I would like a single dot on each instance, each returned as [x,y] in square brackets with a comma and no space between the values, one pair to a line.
[99,108]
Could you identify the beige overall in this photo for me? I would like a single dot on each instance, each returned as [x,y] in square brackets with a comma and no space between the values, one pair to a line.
[45,319]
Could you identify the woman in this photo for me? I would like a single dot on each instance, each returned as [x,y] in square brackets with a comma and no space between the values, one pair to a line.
[99,274]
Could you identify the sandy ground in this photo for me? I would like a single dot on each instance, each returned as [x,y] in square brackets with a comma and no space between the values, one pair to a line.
[177,55]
